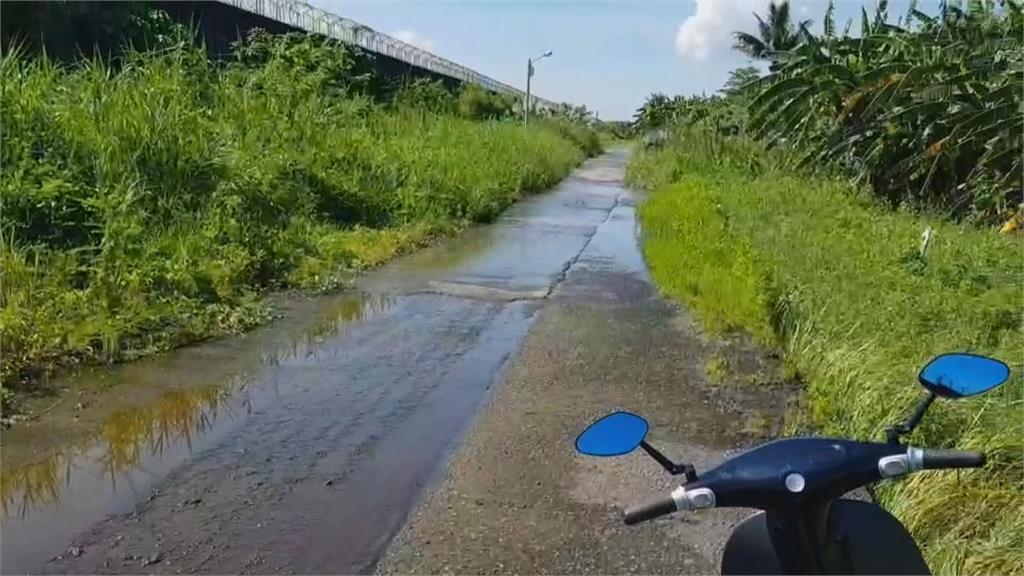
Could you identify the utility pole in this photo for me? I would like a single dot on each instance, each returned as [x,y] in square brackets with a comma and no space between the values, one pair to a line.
[529,74]
[526,105]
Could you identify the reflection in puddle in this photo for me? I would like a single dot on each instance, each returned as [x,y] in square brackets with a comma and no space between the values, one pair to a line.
[125,437]
[334,319]
[37,484]
[138,436]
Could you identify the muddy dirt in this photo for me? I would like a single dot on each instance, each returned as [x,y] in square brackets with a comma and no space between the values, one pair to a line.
[303,446]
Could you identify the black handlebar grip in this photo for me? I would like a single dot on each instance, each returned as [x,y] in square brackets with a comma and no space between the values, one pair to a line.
[649,511]
[939,459]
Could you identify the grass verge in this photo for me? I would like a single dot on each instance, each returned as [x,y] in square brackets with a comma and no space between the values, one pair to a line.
[812,266]
[148,205]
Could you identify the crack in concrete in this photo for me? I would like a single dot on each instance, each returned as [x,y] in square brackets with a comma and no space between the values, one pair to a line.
[482,292]
[560,277]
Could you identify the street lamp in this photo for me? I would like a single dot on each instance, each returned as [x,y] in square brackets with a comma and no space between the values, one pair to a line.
[529,74]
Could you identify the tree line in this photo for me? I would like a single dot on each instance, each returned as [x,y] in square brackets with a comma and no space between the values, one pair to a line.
[926,111]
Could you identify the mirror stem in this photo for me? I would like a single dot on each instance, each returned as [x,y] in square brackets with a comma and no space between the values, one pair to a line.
[922,407]
[893,433]
[673,468]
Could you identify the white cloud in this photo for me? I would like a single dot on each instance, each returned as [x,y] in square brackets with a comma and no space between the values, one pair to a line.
[708,34]
[414,38]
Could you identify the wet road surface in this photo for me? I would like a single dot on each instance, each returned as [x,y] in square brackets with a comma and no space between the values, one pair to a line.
[303,446]
[517,499]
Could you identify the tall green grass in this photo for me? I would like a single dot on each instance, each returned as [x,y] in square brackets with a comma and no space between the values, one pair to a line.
[148,205]
[814,266]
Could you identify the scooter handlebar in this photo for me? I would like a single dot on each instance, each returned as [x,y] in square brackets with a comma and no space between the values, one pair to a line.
[650,511]
[942,459]
[866,462]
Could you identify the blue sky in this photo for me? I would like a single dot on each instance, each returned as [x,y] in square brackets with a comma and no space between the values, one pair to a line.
[608,55]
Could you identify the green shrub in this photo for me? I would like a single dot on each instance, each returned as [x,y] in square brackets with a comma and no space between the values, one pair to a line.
[582,136]
[310,64]
[476,103]
[147,206]
[427,95]
[927,112]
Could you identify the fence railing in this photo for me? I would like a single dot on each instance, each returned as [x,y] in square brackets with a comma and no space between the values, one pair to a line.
[311,19]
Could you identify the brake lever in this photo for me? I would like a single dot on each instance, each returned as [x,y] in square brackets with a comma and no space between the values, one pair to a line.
[674,469]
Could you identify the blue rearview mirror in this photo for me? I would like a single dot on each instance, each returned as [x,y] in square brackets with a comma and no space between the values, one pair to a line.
[958,375]
[613,435]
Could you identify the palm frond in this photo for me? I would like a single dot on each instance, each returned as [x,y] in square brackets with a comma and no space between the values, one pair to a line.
[846,28]
[829,22]
[749,44]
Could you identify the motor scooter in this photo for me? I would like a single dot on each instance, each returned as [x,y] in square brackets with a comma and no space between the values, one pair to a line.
[804,526]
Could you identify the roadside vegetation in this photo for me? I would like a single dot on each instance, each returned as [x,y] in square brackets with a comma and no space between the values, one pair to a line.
[926,112]
[793,205]
[149,198]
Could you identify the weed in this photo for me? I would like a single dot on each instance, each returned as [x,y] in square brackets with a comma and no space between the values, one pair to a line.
[756,425]
[813,265]
[717,369]
[149,205]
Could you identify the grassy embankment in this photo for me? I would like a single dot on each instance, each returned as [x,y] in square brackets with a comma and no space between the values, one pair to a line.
[814,266]
[148,205]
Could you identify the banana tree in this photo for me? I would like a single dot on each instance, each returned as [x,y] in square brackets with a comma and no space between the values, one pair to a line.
[931,114]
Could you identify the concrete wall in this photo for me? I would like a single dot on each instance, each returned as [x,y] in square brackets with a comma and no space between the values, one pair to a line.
[222,24]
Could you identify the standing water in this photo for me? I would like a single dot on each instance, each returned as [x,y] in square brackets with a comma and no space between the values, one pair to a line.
[303,445]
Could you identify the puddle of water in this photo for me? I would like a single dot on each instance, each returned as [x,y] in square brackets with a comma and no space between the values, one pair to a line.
[125,439]
[342,407]
[520,256]
[616,247]
[201,394]
[375,499]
